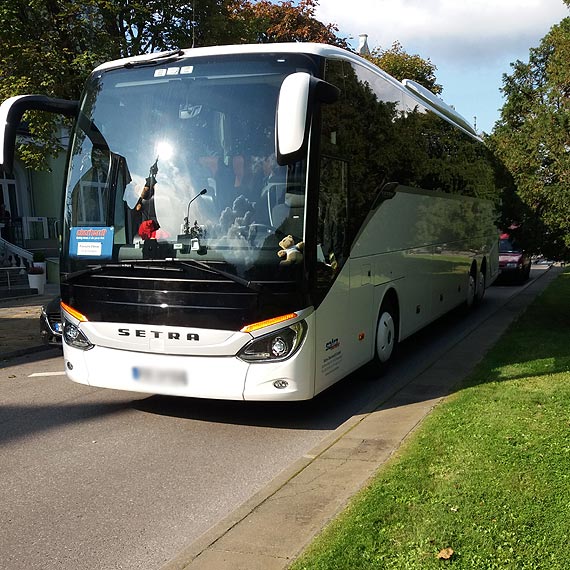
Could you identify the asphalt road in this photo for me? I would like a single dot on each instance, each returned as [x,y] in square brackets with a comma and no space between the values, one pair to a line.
[96,479]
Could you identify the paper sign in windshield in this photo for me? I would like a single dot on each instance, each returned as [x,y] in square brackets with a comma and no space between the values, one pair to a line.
[91,242]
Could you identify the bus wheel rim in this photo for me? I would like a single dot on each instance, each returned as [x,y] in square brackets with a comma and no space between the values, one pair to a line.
[385,337]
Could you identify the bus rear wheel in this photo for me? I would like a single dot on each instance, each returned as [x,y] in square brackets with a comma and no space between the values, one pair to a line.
[386,334]
[481,285]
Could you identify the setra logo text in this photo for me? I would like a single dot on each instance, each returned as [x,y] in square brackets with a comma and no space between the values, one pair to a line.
[142,333]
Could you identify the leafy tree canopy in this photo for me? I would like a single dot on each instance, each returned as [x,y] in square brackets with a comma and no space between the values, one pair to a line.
[46,47]
[263,21]
[532,137]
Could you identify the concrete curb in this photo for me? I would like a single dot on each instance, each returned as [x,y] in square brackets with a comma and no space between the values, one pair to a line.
[272,528]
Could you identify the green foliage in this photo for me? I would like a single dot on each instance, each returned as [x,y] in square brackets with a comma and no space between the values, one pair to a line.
[45,47]
[532,137]
[263,21]
[486,474]
[402,65]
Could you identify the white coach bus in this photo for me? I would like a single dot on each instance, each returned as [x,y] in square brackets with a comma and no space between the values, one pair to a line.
[256,222]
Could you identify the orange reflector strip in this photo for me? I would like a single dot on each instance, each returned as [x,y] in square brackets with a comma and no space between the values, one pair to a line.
[79,316]
[267,323]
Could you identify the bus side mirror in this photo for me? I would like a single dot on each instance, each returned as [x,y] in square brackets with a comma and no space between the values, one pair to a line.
[297,97]
[11,112]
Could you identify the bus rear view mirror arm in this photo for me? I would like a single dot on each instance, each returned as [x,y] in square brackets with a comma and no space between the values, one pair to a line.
[11,112]
[297,96]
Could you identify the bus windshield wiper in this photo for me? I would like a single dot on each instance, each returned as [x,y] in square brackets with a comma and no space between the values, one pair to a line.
[171,264]
[235,278]
[90,270]
[159,59]
[147,264]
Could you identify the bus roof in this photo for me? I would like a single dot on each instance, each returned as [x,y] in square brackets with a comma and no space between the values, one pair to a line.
[422,95]
[292,47]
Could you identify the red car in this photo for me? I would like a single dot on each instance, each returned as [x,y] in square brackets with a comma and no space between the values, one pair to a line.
[514,262]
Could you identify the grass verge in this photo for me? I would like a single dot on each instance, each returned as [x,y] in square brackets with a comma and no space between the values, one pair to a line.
[487,475]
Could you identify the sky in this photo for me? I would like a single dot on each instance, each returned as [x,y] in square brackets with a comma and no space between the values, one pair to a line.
[471,42]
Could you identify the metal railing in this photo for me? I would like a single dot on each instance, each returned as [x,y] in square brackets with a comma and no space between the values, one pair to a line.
[13,278]
[14,231]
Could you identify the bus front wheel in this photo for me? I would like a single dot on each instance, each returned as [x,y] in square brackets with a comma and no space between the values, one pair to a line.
[386,334]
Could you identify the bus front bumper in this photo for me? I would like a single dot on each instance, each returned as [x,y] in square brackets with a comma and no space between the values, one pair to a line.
[213,377]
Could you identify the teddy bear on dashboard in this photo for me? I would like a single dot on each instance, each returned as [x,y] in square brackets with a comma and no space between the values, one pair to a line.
[291,252]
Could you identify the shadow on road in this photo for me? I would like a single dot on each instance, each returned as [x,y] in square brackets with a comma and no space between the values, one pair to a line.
[22,421]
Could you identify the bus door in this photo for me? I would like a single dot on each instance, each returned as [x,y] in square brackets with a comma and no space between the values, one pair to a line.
[333,345]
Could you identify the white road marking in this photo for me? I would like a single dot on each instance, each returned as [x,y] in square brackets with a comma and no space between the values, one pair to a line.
[62,373]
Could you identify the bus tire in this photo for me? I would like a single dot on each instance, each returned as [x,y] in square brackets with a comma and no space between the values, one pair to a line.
[471,287]
[481,285]
[386,334]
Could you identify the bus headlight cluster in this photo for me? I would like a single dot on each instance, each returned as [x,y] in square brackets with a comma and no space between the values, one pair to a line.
[74,337]
[275,346]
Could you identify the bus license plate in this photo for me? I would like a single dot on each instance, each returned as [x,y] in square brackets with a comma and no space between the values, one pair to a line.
[160,377]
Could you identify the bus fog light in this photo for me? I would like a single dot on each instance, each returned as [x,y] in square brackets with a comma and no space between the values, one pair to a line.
[275,346]
[280,384]
[74,337]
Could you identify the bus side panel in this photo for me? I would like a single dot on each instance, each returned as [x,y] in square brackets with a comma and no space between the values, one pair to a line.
[362,321]
[392,238]
[425,242]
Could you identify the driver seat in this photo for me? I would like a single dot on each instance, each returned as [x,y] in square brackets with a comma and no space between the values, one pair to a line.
[289,215]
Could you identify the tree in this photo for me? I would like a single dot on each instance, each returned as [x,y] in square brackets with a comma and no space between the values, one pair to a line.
[532,137]
[144,26]
[46,47]
[263,21]
[402,65]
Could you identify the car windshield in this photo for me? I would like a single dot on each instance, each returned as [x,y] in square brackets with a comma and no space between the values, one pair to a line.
[177,161]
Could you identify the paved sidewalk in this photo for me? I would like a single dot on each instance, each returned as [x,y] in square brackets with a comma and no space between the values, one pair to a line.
[273,528]
[20,323]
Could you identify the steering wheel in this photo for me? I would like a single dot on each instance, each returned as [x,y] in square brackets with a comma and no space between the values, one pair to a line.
[260,233]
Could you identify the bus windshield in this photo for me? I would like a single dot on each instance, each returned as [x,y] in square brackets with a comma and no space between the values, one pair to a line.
[177,162]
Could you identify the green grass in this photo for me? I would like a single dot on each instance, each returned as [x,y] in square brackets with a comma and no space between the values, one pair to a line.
[488,472]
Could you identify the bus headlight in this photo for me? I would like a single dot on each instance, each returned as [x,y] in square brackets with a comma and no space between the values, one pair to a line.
[275,346]
[74,337]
